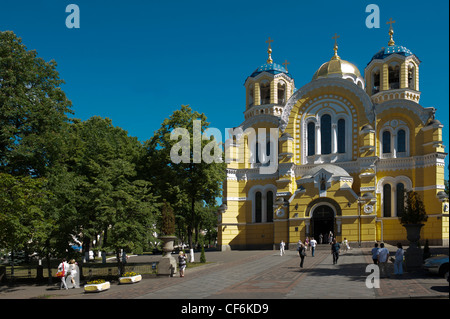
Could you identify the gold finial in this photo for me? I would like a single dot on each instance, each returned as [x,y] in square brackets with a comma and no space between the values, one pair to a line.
[336,56]
[286,64]
[269,51]
[391,32]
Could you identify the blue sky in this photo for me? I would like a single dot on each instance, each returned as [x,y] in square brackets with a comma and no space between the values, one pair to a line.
[137,61]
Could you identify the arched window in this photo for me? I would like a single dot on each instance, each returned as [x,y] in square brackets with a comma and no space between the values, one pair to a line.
[411,76]
[394,77]
[400,199]
[325,134]
[311,138]
[386,142]
[401,141]
[266,156]
[281,93]
[376,82]
[257,161]
[341,136]
[269,206]
[258,207]
[387,200]
[323,184]
[265,92]
[250,96]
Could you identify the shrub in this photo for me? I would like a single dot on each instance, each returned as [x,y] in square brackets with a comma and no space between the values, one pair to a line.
[414,209]
[202,255]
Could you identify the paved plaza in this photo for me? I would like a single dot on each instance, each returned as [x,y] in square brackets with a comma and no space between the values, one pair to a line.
[263,275]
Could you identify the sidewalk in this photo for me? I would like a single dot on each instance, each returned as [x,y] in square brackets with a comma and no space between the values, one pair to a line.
[260,275]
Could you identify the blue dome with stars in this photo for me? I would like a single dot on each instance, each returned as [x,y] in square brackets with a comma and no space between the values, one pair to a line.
[273,68]
[392,49]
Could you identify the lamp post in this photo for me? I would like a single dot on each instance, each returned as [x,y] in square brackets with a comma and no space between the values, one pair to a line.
[221,211]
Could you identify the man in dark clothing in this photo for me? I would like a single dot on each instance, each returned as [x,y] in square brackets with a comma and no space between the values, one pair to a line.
[335,251]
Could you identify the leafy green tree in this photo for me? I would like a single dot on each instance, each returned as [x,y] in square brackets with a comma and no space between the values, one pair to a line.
[185,183]
[23,222]
[109,200]
[33,109]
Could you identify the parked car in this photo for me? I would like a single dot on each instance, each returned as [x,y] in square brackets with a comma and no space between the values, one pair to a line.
[437,265]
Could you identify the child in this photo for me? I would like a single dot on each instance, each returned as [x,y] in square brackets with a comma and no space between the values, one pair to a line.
[182,262]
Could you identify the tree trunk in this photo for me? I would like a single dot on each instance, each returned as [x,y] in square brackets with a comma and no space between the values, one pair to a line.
[85,247]
[47,257]
[191,228]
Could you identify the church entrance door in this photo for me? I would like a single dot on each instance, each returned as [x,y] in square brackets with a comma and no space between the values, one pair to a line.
[322,222]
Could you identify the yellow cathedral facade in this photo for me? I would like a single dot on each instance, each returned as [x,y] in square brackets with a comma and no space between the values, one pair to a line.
[346,149]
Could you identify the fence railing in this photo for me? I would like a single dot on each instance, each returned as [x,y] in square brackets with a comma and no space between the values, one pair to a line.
[88,271]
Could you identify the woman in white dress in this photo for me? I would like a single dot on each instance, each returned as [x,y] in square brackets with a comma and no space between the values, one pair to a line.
[72,272]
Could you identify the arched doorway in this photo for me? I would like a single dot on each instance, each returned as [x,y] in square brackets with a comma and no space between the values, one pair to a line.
[322,222]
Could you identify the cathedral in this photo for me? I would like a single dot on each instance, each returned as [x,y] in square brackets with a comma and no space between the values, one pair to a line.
[344,148]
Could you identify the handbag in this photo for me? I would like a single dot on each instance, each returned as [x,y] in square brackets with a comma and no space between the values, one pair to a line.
[60,274]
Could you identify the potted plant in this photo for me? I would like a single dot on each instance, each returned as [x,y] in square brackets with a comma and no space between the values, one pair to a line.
[97,285]
[167,265]
[412,219]
[130,277]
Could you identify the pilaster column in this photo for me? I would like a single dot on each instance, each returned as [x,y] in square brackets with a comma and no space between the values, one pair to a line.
[334,138]
[318,149]
[257,94]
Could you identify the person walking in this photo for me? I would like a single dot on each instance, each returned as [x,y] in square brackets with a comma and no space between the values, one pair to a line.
[302,253]
[72,273]
[313,244]
[182,262]
[398,263]
[375,253]
[63,268]
[282,244]
[307,243]
[299,243]
[383,255]
[346,245]
[335,251]
[320,239]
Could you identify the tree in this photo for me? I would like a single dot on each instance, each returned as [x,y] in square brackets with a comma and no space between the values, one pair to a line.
[33,109]
[187,182]
[167,220]
[109,199]
[23,223]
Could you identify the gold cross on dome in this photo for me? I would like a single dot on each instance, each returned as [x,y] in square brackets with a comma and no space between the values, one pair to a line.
[391,32]
[390,22]
[335,38]
[286,64]
[269,51]
[269,41]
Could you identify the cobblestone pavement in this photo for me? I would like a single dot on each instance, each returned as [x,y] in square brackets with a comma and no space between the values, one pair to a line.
[260,275]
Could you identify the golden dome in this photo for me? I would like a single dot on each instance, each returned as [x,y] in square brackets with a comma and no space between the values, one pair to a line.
[339,68]
[336,68]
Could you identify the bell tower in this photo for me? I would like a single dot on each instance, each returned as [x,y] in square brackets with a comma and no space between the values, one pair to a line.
[393,73]
[268,88]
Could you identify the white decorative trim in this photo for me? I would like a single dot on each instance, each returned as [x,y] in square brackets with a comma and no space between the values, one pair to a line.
[427,188]
[313,85]
[423,113]
[238,199]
